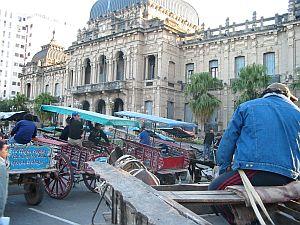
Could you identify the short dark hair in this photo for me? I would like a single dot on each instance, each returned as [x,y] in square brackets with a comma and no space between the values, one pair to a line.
[28,117]
[2,143]
[268,90]
[68,120]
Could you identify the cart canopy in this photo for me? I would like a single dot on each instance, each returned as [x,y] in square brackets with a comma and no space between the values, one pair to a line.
[156,119]
[91,116]
[15,116]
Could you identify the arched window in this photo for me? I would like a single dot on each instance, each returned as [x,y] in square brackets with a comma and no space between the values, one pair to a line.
[120,66]
[101,107]
[28,90]
[102,69]
[87,71]
[47,88]
[151,67]
[86,105]
[57,90]
[118,105]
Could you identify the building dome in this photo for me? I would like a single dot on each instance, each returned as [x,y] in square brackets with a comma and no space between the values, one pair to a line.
[179,7]
[50,54]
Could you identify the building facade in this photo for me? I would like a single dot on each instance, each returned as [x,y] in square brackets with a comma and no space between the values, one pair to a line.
[12,52]
[137,55]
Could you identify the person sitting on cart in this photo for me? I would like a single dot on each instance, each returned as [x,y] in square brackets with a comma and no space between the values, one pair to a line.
[24,131]
[263,139]
[65,133]
[3,177]
[97,134]
[144,136]
[76,130]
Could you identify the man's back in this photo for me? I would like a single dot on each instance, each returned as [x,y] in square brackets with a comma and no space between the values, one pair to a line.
[145,137]
[266,135]
[24,131]
[76,130]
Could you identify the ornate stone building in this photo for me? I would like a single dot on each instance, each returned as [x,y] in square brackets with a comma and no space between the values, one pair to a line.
[138,54]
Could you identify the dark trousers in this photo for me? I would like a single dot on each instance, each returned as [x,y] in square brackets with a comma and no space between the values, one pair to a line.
[257,178]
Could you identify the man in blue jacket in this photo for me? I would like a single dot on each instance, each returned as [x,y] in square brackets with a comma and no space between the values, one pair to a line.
[24,131]
[262,139]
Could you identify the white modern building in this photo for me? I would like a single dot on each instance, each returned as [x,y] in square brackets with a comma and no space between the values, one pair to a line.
[12,52]
[21,36]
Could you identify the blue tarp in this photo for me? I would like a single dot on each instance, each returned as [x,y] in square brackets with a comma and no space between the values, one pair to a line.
[91,116]
[157,119]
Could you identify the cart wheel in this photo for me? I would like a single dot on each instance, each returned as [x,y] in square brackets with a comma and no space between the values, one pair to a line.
[58,184]
[34,192]
[90,181]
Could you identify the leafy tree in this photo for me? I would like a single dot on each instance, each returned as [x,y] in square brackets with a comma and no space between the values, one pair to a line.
[203,103]
[296,83]
[19,102]
[5,105]
[43,99]
[252,80]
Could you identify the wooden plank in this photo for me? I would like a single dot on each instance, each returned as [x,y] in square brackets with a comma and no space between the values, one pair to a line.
[204,198]
[289,211]
[284,219]
[293,205]
[31,171]
[217,192]
[146,201]
[182,187]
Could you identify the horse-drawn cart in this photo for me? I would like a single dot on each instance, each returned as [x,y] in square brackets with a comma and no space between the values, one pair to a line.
[166,159]
[29,165]
[71,160]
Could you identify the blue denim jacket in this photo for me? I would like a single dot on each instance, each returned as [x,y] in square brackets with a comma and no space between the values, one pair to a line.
[264,134]
[3,186]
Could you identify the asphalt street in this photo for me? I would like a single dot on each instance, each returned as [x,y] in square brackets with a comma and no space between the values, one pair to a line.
[76,209]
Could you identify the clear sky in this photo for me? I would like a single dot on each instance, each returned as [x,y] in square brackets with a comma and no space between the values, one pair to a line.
[211,12]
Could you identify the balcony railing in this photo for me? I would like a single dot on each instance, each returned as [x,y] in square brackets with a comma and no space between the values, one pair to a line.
[106,86]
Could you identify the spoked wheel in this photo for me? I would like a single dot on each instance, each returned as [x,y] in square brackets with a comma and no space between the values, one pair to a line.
[34,191]
[58,184]
[90,181]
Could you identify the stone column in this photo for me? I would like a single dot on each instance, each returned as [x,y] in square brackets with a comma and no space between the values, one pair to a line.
[93,73]
[109,69]
[146,68]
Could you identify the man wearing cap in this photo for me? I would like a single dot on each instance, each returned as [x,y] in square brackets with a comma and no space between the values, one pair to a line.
[263,139]
[75,130]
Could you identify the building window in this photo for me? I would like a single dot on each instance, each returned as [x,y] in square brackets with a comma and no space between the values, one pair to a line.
[13,93]
[71,77]
[14,83]
[214,68]
[28,90]
[149,107]
[188,114]
[120,66]
[189,71]
[87,71]
[170,110]
[269,63]
[47,88]
[103,69]
[57,90]
[239,64]
[151,67]
[171,71]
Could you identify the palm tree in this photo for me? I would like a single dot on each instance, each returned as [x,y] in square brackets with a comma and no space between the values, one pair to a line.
[252,80]
[19,102]
[203,103]
[43,99]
